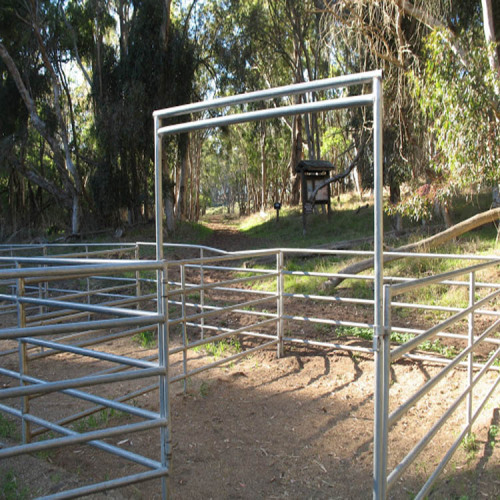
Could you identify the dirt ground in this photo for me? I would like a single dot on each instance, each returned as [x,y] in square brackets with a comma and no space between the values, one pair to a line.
[297,427]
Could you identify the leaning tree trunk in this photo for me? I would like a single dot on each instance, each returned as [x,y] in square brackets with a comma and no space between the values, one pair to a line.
[431,242]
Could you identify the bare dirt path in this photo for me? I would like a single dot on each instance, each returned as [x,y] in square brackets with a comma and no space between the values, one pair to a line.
[226,236]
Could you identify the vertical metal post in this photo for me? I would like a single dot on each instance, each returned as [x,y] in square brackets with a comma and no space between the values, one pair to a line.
[202,294]
[88,281]
[381,430]
[158,192]
[137,276]
[183,325]
[45,285]
[279,305]
[162,304]
[23,359]
[163,361]
[470,360]
[380,342]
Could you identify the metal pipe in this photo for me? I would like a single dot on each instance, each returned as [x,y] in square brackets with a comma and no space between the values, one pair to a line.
[59,385]
[215,338]
[77,306]
[194,317]
[423,492]
[113,358]
[163,361]
[402,409]
[330,345]
[260,95]
[33,331]
[470,342]
[280,287]
[335,322]
[410,457]
[108,485]
[228,359]
[208,286]
[430,280]
[73,437]
[101,401]
[431,332]
[231,331]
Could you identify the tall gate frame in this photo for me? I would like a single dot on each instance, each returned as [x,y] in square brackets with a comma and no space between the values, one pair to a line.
[374,99]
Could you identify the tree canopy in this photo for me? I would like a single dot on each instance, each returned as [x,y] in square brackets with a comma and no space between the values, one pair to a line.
[79,80]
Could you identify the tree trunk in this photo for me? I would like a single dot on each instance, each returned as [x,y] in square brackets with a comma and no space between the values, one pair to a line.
[263,166]
[294,160]
[181,178]
[426,244]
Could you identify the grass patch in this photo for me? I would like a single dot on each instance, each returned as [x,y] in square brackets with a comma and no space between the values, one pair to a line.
[344,223]
[10,489]
[98,420]
[354,331]
[7,428]
[470,445]
[145,339]
[221,348]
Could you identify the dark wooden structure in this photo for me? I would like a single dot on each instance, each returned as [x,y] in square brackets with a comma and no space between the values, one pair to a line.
[312,173]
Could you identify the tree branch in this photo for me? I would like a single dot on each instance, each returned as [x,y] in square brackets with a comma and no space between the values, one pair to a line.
[343,175]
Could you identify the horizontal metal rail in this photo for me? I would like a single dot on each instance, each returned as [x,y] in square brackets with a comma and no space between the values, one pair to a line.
[194,317]
[221,336]
[74,437]
[261,95]
[208,286]
[73,383]
[77,306]
[33,331]
[403,409]
[333,322]
[35,274]
[429,280]
[427,486]
[431,332]
[410,457]
[80,351]
[222,361]
[86,396]
[329,345]
[109,485]
[244,332]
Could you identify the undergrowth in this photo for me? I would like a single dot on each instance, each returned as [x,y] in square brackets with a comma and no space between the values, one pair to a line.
[220,348]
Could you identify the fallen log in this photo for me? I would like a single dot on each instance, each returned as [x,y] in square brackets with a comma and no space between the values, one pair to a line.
[423,245]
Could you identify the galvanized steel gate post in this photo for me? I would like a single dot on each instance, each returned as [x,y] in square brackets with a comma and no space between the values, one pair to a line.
[374,99]
[381,335]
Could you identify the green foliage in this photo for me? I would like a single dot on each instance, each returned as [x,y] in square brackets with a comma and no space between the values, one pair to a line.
[493,432]
[97,420]
[221,348]
[146,339]
[354,331]
[457,104]
[204,389]
[470,445]
[10,488]
[343,224]
[7,428]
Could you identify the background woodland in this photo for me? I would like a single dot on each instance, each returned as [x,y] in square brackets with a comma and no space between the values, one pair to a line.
[79,80]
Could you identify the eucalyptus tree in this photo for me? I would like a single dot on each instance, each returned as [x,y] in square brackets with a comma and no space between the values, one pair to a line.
[256,44]
[441,111]
[34,50]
